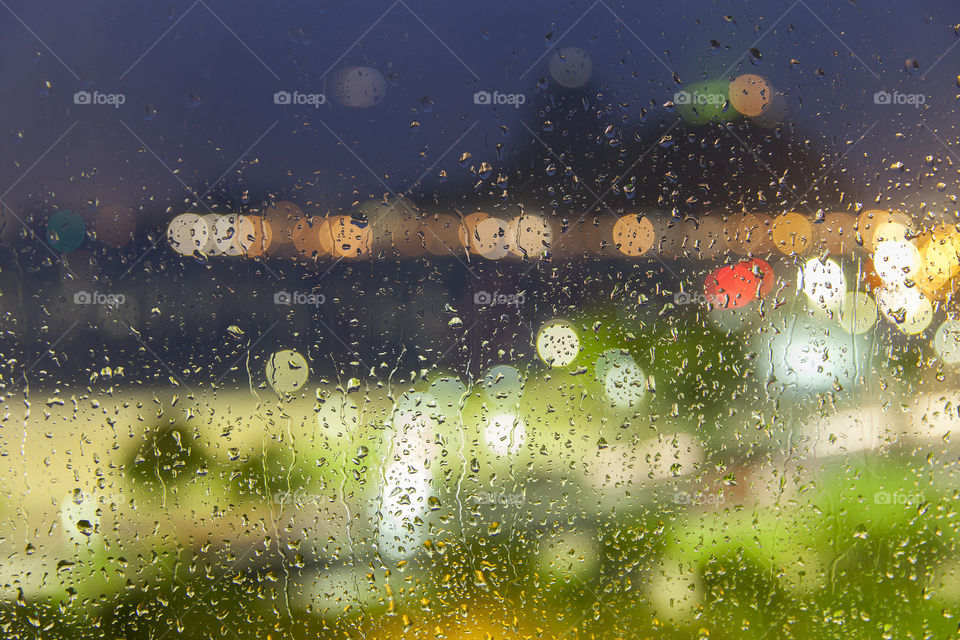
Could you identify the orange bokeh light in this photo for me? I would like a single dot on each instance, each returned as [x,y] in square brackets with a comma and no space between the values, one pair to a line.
[750,94]
[308,235]
[791,233]
[351,238]
[257,238]
[633,235]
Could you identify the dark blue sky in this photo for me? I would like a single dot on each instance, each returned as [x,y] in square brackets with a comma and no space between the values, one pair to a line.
[199,79]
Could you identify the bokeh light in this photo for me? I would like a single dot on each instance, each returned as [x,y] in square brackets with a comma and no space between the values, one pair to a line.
[906,307]
[529,235]
[731,286]
[750,94]
[66,231]
[188,233]
[946,341]
[359,87]
[858,312]
[824,284]
[505,434]
[896,261]
[703,102]
[633,235]
[287,371]
[791,233]
[311,238]
[571,67]
[557,343]
[351,238]
[256,236]
[490,238]
[468,231]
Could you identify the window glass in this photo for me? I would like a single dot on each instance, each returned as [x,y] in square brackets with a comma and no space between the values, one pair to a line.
[492,320]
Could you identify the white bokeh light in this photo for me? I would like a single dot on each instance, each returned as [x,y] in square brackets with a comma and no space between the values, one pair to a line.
[810,354]
[906,308]
[624,383]
[503,383]
[505,434]
[823,282]
[415,425]
[557,343]
[188,233]
[359,87]
[404,501]
[211,248]
[947,341]
[896,261]
[228,231]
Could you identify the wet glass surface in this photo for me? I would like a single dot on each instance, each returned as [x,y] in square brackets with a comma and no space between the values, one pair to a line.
[420,320]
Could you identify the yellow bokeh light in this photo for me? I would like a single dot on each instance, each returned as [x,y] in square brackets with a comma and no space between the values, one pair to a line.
[791,233]
[870,221]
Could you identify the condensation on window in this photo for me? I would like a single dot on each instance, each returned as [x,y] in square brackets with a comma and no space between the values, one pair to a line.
[419,320]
